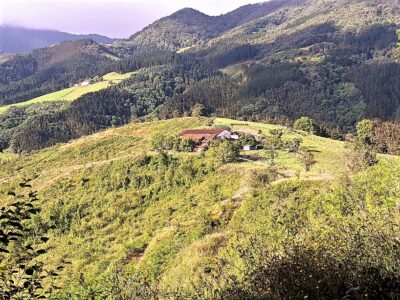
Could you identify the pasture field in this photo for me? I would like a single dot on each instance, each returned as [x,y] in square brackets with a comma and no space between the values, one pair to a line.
[73,93]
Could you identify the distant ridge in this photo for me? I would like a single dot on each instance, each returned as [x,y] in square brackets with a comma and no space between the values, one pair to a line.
[18,39]
[189,27]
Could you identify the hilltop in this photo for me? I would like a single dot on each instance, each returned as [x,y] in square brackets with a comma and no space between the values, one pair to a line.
[18,39]
[191,28]
[113,208]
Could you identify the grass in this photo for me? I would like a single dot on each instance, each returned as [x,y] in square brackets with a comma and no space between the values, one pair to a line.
[329,153]
[110,213]
[73,93]
[182,50]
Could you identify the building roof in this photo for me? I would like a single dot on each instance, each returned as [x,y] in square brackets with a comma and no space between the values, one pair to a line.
[201,132]
[202,137]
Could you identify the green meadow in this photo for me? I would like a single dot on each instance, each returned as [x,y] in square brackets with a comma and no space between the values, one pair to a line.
[73,93]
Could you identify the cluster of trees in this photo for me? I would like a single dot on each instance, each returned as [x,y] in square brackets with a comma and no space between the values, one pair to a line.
[219,152]
[279,90]
[380,136]
[161,142]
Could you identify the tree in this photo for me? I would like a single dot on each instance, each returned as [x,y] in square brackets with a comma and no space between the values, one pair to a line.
[198,110]
[274,140]
[306,124]
[306,158]
[365,132]
[246,139]
[222,152]
[294,145]
[186,145]
[22,275]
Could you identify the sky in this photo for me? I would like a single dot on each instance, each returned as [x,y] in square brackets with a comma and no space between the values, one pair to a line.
[117,19]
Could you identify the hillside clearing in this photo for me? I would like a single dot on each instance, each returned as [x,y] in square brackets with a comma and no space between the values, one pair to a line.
[73,93]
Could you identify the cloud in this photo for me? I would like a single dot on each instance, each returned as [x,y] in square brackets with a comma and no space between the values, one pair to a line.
[119,18]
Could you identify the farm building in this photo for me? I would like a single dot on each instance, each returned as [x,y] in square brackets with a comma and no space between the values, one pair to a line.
[249,147]
[203,137]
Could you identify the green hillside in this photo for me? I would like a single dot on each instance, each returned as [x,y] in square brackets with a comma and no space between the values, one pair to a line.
[75,92]
[137,224]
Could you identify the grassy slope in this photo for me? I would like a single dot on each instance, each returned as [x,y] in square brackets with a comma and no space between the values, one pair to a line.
[108,226]
[74,93]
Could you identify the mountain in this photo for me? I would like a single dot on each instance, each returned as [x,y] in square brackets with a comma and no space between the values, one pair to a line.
[26,76]
[334,61]
[190,28]
[18,39]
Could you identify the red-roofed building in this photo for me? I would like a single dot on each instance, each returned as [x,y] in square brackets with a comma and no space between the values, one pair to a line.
[203,137]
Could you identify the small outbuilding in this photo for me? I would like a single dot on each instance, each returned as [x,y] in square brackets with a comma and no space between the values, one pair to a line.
[249,147]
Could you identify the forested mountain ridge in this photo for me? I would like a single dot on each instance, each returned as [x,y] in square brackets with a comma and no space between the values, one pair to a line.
[191,28]
[334,61]
[26,76]
[18,39]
